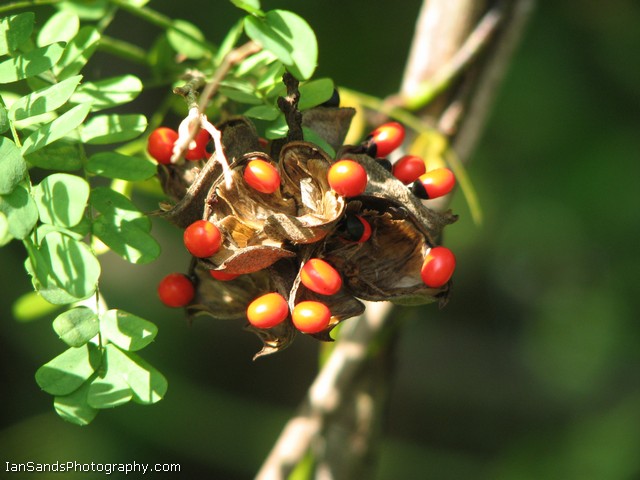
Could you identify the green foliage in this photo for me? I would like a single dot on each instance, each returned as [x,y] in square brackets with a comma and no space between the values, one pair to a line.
[52,121]
[51,127]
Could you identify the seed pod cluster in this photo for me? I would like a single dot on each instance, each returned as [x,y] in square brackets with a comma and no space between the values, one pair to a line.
[301,244]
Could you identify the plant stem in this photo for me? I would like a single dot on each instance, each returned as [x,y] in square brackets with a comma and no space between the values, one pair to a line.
[123,49]
[26,4]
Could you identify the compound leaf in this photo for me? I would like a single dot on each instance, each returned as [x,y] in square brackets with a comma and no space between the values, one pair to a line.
[126,330]
[61,199]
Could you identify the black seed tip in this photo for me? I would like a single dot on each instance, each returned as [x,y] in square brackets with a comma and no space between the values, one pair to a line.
[417,188]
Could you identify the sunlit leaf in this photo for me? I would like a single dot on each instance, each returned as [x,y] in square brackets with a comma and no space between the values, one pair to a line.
[190,45]
[55,130]
[61,27]
[69,370]
[116,165]
[106,129]
[44,100]
[127,239]
[77,53]
[289,37]
[57,156]
[114,204]
[147,383]
[4,119]
[12,166]
[86,10]
[254,62]
[126,330]
[250,6]
[30,64]
[31,306]
[109,92]
[5,234]
[14,31]
[71,263]
[74,407]
[315,92]
[110,389]
[61,199]
[77,326]
[20,210]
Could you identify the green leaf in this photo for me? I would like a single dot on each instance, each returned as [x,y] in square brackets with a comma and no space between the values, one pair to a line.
[127,239]
[249,6]
[21,212]
[277,129]
[30,64]
[229,41]
[72,264]
[186,44]
[127,331]
[31,306]
[105,129]
[147,383]
[254,63]
[289,37]
[4,119]
[113,204]
[313,137]
[241,96]
[58,156]
[116,165]
[44,100]
[271,77]
[5,235]
[42,280]
[55,130]
[74,407]
[111,388]
[12,166]
[263,112]
[77,53]
[61,199]
[69,370]
[315,92]
[86,10]
[14,31]
[78,231]
[61,27]
[77,326]
[108,93]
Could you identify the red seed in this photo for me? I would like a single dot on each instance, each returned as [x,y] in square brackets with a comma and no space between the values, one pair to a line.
[199,152]
[202,238]
[320,277]
[385,139]
[408,168]
[311,317]
[267,311]
[433,184]
[160,144]
[438,267]
[176,290]
[347,178]
[262,176]
[222,275]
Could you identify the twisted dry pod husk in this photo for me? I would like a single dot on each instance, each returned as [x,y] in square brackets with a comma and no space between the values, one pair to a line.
[269,237]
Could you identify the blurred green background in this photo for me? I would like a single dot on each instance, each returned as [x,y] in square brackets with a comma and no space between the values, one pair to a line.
[533,369]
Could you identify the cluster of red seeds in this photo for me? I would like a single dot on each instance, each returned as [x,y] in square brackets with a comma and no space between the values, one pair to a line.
[347,178]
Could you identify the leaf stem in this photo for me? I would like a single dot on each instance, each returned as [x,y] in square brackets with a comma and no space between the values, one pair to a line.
[26,4]
[123,49]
